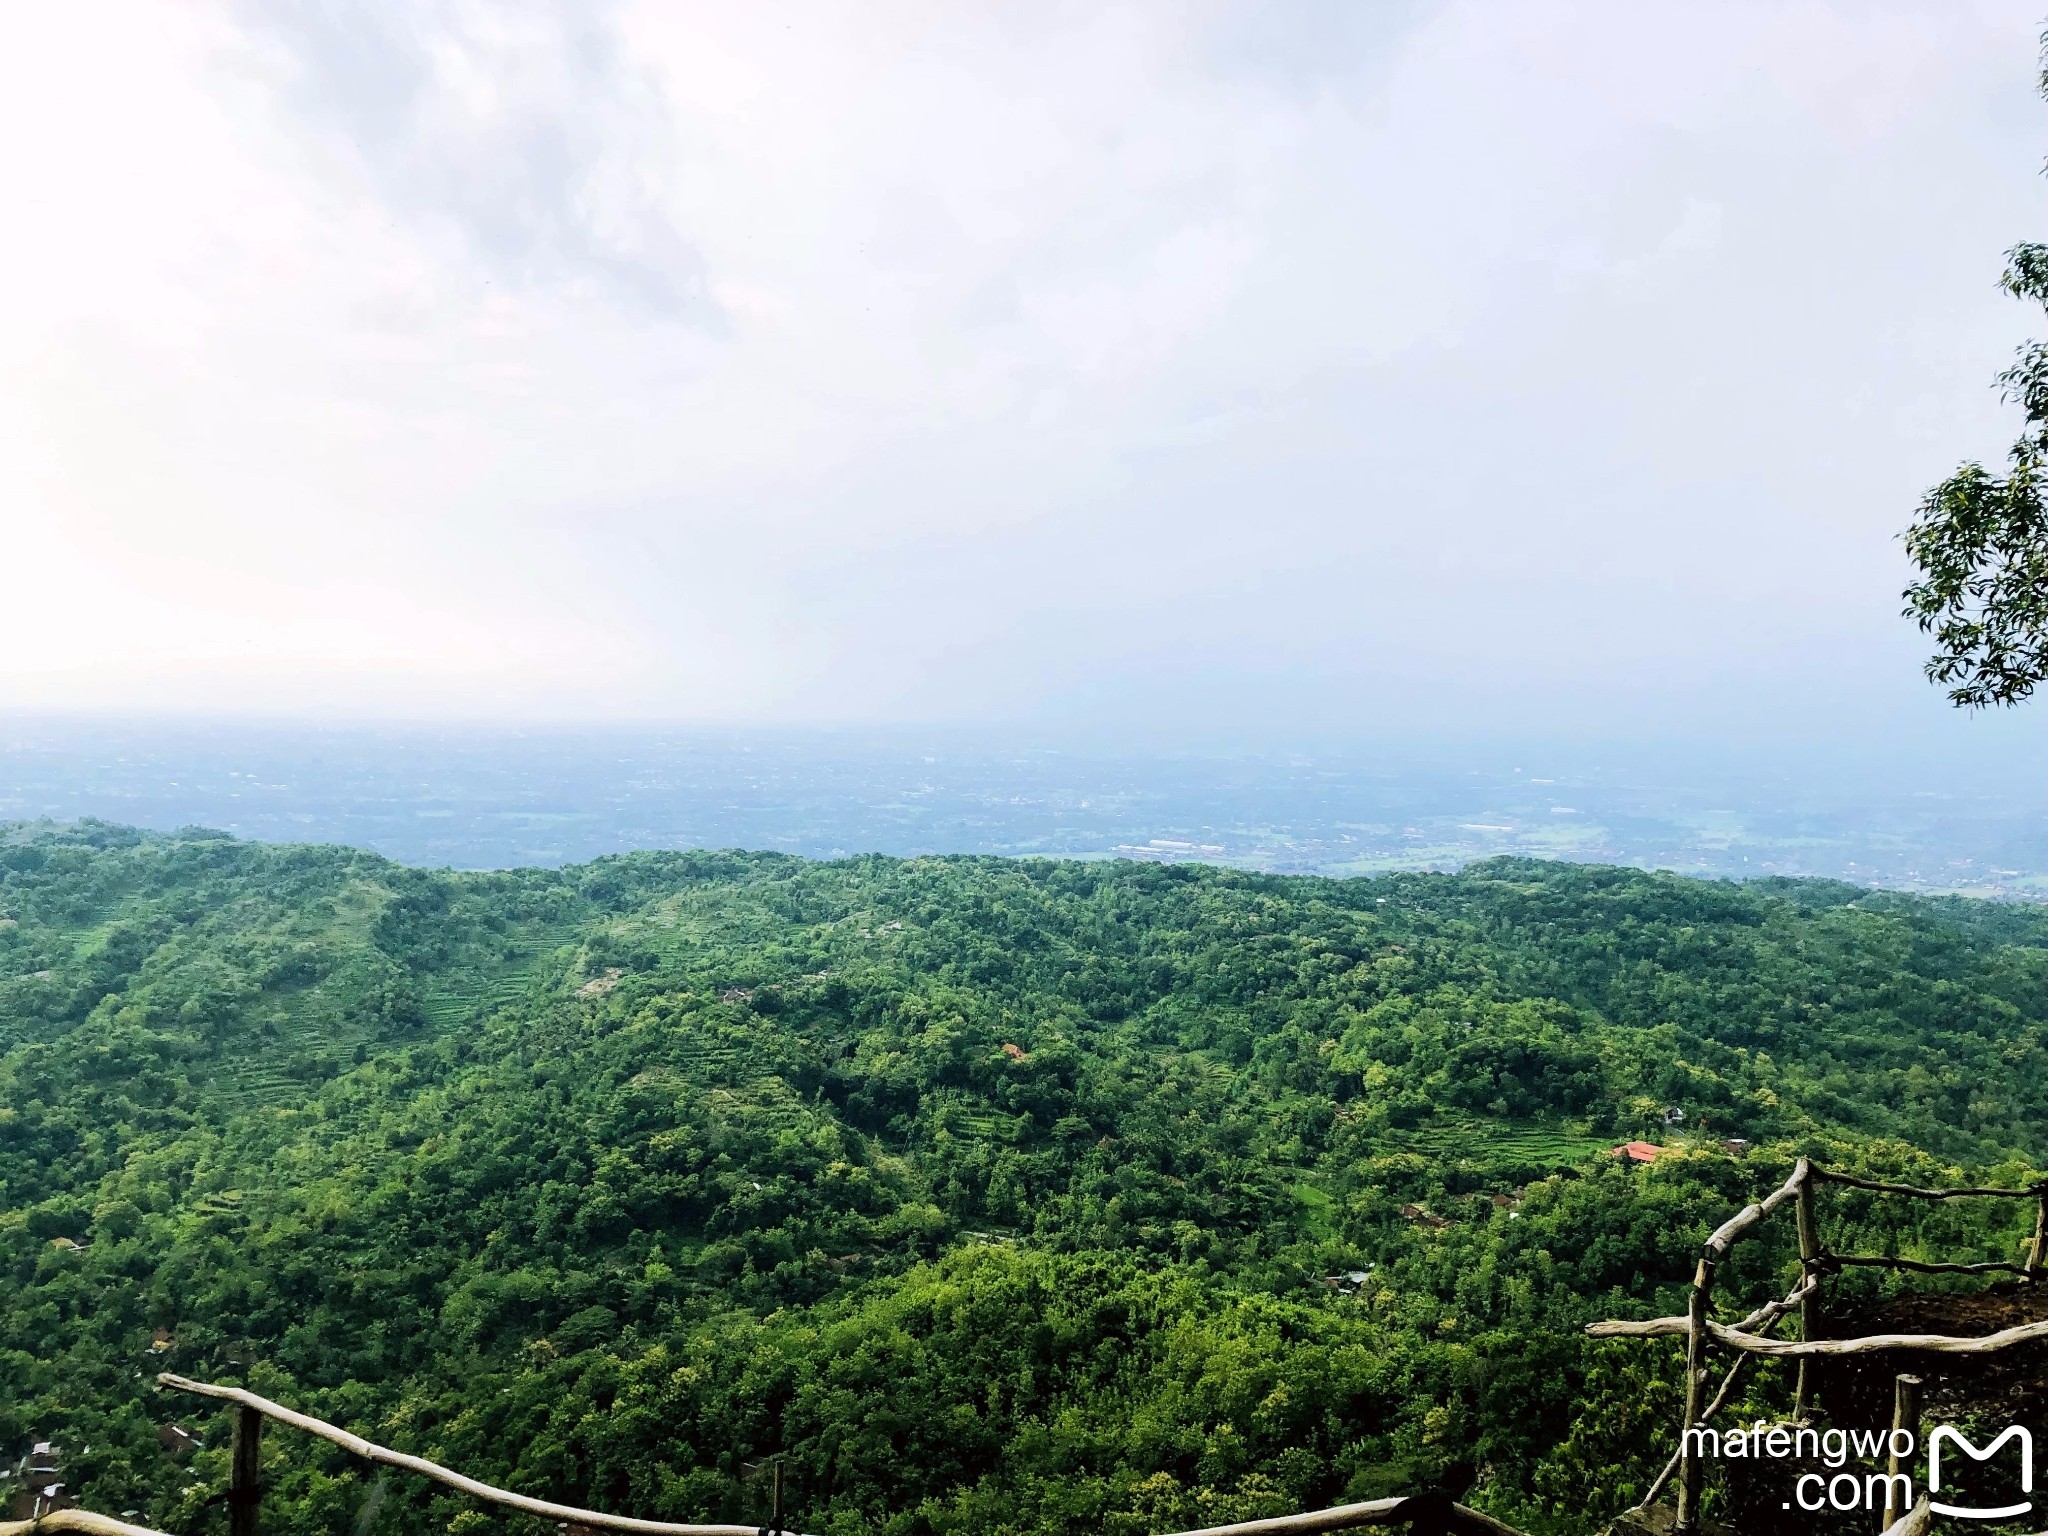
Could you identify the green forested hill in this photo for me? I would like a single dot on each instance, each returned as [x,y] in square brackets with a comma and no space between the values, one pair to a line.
[990,1195]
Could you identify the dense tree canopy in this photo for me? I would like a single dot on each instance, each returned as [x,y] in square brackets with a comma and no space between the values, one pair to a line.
[988,1195]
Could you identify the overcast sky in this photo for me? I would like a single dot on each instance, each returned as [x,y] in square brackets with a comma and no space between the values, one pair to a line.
[1383,367]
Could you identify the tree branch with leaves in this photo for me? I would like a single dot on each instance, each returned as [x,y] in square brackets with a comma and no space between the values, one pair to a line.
[1980,541]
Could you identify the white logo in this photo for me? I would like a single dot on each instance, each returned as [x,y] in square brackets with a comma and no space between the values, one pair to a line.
[2026,1471]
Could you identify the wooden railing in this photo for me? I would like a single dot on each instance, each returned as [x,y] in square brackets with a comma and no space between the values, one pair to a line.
[74,1520]
[245,1488]
[1915,1521]
[1751,1336]
[1424,1514]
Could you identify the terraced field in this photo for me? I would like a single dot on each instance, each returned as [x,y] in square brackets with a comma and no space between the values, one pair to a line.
[480,994]
[703,1057]
[1551,1146]
[310,1034]
[966,1121]
[257,1084]
[475,998]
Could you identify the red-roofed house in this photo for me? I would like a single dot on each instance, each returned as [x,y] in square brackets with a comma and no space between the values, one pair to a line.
[1637,1152]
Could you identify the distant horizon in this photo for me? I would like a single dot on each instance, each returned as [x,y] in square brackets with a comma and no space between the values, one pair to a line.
[466,797]
[2016,735]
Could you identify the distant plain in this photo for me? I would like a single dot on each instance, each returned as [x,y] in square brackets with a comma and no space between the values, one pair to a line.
[475,798]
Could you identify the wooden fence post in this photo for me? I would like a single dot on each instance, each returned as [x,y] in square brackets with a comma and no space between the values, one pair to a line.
[1691,1469]
[1809,1309]
[1906,1416]
[2037,1255]
[245,1469]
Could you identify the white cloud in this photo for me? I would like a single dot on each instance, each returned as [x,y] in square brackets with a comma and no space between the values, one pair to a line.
[898,361]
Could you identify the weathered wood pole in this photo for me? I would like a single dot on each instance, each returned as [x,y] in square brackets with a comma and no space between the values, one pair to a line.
[245,1467]
[1906,1416]
[2037,1256]
[1809,1309]
[1691,1467]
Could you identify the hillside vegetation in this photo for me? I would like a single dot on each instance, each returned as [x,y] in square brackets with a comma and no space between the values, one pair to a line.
[991,1196]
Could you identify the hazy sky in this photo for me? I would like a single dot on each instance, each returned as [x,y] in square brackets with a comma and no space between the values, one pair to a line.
[1374,366]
